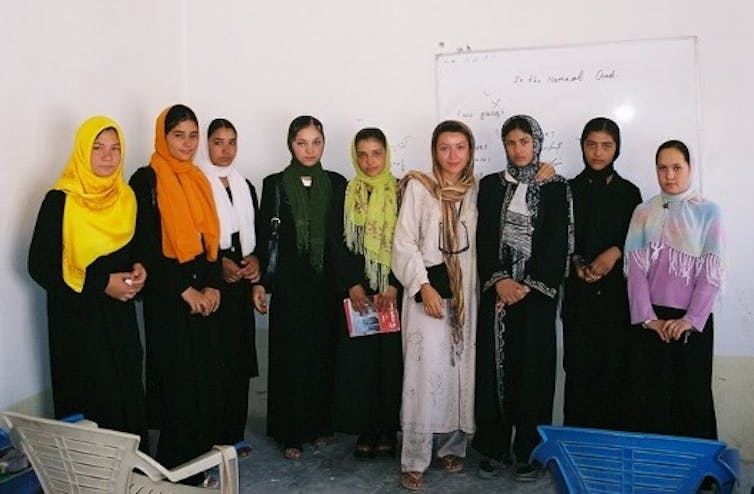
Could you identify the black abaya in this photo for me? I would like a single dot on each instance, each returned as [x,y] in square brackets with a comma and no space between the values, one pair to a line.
[529,337]
[183,397]
[595,315]
[304,321]
[238,362]
[95,350]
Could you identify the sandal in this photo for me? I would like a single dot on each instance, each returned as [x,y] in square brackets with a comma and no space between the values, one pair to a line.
[451,463]
[243,448]
[413,481]
[364,446]
[386,445]
[292,453]
[320,442]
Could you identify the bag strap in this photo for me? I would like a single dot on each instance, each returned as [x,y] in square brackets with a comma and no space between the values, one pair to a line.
[275,220]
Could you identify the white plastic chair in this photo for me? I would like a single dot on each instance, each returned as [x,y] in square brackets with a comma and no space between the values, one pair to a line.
[81,458]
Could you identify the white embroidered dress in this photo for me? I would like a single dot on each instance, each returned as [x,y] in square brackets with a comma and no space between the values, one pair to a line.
[438,395]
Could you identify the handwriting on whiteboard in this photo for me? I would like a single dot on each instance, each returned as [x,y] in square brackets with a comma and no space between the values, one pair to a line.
[574,77]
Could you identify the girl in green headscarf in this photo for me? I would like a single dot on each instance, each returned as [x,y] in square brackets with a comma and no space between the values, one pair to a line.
[308,203]
[369,369]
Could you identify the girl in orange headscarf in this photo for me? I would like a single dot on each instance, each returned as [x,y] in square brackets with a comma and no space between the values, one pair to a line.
[81,254]
[177,235]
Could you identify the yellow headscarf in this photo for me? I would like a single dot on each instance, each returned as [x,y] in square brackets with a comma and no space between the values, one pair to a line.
[100,212]
[369,219]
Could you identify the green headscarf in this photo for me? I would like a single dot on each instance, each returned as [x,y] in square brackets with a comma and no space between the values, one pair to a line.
[369,219]
[309,208]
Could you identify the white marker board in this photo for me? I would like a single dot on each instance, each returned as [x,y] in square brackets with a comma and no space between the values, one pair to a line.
[650,88]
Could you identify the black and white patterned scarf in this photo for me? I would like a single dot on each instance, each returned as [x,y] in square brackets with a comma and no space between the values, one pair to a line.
[518,215]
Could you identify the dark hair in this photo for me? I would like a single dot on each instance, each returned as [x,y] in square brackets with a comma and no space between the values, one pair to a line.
[602,124]
[178,114]
[105,130]
[370,133]
[220,123]
[453,126]
[516,123]
[300,123]
[674,144]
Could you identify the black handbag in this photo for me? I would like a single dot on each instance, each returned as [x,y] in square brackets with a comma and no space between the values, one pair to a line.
[440,281]
[273,242]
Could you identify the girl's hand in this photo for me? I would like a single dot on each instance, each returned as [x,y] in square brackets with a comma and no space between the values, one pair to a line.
[195,300]
[604,262]
[545,170]
[658,325]
[250,269]
[510,291]
[119,287]
[259,298]
[675,328]
[386,299]
[231,271]
[212,297]
[359,299]
[138,276]
[434,305]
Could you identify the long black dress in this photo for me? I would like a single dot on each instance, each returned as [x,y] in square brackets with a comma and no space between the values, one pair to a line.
[238,362]
[95,350]
[369,369]
[595,315]
[529,337]
[304,321]
[182,349]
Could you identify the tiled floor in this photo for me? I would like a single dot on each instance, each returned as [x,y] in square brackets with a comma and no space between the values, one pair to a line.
[333,469]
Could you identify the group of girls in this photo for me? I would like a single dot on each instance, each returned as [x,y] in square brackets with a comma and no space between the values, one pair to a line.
[474,267]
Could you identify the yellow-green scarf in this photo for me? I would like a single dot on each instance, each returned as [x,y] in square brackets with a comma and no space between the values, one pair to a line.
[369,218]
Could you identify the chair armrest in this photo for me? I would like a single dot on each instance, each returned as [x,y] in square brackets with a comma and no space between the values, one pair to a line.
[221,455]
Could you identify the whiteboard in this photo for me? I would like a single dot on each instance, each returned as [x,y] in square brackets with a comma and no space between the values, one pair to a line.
[650,88]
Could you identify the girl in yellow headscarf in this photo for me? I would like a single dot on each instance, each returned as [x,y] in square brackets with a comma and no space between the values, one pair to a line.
[368,369]
[81,254]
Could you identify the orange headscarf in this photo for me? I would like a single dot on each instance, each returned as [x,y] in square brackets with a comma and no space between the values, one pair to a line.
[187,210]
[100,212]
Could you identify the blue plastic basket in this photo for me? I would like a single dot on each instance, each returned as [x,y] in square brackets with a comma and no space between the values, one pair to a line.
[601,461]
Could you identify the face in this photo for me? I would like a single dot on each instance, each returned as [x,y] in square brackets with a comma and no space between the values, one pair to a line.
[308,146]
[222,146]
[599,149]
[105,157]
[519,146]
[370,155]
[453,154]
[182,140]
[673,171]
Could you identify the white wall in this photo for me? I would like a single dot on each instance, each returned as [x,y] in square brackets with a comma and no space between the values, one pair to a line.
[62,62]
[351,63]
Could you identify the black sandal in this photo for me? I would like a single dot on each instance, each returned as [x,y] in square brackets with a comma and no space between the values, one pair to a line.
[386,445]
[365,446]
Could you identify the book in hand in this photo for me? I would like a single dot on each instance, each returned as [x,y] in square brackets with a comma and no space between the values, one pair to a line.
[371,322]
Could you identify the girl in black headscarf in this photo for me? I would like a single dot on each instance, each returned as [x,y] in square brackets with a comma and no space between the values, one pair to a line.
[595,304]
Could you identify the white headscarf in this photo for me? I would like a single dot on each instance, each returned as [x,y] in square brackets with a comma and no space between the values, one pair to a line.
[236,216]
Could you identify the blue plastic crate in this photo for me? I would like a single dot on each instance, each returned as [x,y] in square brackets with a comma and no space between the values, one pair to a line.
[601,461]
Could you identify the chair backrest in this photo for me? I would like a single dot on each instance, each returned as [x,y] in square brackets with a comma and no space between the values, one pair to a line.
[71,458]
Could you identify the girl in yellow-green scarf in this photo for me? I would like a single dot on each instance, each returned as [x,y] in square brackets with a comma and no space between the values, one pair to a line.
[81,254]
[369,368]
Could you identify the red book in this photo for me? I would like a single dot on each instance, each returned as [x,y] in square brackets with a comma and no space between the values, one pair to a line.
[373,321]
